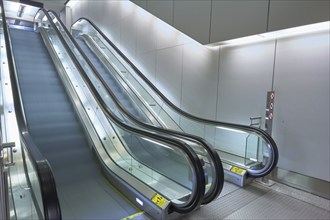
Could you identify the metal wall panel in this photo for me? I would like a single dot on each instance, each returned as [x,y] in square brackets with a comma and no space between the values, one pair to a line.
[292,13]
[109,13]
[167,36]
[169,72]
[146,62]
[128,34]
[245,77]
[126,8]
[140,3]
[146,24]
[162,9]
[200,80]
[233,19]
[301,113]
[193,19]
[112,31]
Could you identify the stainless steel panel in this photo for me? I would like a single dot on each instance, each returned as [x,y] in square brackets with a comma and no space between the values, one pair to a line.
[140,3]
[193,19]
[200,80]
[301,113]
[126,8]
[306,183]
[146,62]
[167,36]
[245,77]
[146,32]
[292,13]
[113,32]
[128,34]
[233,19]
[99,9]
[169,73]
[161,9]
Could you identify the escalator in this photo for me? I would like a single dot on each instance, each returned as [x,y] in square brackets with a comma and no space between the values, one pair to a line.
[109,79]
[91,173]
[244,150]
[210,159]
[56,131]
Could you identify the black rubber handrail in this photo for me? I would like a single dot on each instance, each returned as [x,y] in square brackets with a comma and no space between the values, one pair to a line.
[218,178]
[199,189]
[262,133]
[51,205]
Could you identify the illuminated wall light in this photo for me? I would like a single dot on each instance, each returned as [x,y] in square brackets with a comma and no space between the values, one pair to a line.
[312,28]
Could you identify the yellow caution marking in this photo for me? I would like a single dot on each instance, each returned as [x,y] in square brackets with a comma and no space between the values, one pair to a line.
[133,216]
[237,170]
[119,192]
[158,200]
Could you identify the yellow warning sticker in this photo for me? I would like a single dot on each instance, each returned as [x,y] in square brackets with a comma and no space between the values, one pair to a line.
[133,216]
[237,170]
[158,200]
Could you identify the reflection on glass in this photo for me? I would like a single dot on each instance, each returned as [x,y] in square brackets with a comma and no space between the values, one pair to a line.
[245,147]
[148,159]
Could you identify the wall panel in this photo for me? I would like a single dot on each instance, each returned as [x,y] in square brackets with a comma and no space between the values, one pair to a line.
[301,113]
[169,73]
[200,80]
[233,19]
[128,34]
[292,13]
[163,9]
[245,77]
[140,3]
[146,62]
[146,24]
[193,18]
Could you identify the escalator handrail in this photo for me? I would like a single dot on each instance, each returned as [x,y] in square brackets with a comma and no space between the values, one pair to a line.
[271,143]
[197,194]
[51,206]
[218,178]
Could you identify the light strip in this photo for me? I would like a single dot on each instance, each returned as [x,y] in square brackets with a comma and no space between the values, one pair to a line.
[71,3]
[231,129]
[139,201]
[312,28]
[157,143]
